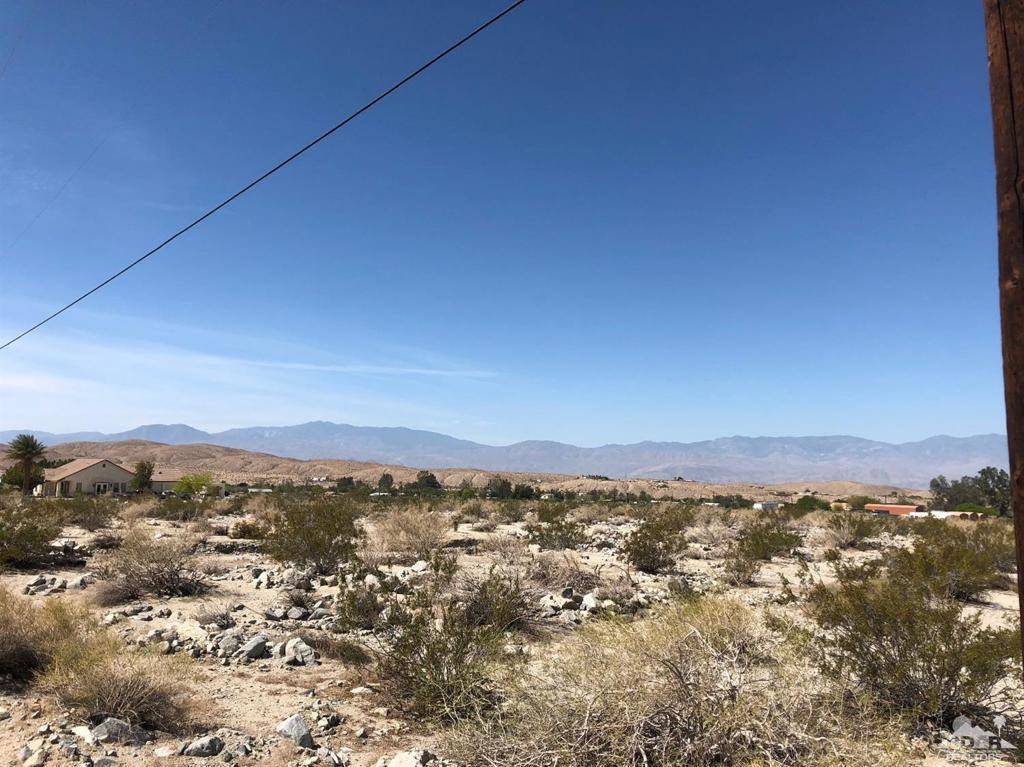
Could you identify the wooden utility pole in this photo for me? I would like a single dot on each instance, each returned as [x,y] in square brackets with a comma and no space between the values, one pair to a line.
[1004,29]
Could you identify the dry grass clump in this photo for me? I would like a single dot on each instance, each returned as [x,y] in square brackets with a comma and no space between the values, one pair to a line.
[701,684]
[711,528]
[507,549]
[218,615]
[411,533]
[558,570]
[851,529]
[102,677]
[26,530]
[337,648]
[146,565]
[63,652]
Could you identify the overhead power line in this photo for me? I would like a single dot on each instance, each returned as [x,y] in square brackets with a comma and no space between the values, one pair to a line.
[295,155]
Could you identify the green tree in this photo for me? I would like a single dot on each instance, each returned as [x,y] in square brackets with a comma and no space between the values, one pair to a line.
[14,476]
[193,483]
[385,483]
[499,487]
[425,480]
[26,450]
[143,475]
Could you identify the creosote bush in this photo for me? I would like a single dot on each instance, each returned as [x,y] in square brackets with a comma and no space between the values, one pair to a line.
[700,683]
[654,545]
[851,529]
[62,651]
[911,649]
[499,600]
[88,512]
[144,565]
[434,657]
[953,561]
[556,528]
[764,539]
[26,530]
[320,533]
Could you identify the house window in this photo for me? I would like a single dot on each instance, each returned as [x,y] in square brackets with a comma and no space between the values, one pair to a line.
[78,487]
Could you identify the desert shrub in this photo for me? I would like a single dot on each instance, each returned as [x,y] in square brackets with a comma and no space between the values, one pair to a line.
[435,660]
[499,600]
[702,683]
[29,635]
[358,607]
[506,548]
[951,561]
[765,539]
[995,540]
[412,533]
[218,615]
[337,648]
[178,509]
[740,568]
[88,512]
[248,529]
[561,532]
[318,533]
[104,678]
[658,540]
[26,531]
[65,653]
[556,571]
[147,565]
[510,511]
[912,650]
[850,529]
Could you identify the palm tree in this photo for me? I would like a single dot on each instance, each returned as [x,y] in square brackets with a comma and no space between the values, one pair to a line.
[26,450]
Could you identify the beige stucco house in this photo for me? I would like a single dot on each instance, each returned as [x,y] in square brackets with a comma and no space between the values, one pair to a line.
[164,480]
[91,476]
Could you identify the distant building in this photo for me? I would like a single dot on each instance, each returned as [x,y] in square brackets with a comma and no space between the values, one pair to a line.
[892,509]
[90,476]
[766,506]
[164,480]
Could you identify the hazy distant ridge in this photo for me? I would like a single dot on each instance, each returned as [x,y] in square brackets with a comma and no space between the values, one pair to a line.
[727,459]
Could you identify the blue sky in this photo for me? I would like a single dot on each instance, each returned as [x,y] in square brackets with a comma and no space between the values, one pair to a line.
[598,222]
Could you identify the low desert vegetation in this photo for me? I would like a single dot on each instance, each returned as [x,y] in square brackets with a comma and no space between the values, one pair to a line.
[62,651]
[411,533]
[556,528]
[661,537]
[962,563]
[434,658]
[85,511]
[145,565]
[705,683]
[852,530]
[909,645]
[27,530]
[319,533]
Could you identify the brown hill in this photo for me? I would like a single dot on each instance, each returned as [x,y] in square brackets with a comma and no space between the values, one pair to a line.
[236,465]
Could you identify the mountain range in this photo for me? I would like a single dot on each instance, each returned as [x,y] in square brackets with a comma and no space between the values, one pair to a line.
[727,459]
